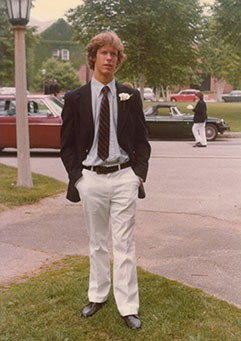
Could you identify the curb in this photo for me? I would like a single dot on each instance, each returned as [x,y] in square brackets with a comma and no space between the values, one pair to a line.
[231,135]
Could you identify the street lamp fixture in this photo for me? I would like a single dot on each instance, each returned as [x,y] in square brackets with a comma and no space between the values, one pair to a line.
[18,12]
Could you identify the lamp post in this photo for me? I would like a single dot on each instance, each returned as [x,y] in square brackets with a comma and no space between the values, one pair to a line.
[43,74]
[18,12]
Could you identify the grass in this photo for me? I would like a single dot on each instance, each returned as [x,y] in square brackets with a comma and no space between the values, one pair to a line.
[230,112]
[12,196]
[48,307]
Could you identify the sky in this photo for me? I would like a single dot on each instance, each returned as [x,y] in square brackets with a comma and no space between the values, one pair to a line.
[45,10]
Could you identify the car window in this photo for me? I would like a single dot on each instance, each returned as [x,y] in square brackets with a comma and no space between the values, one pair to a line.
[176,112]
[2,108]
[38,108]
[7,107]
[56,104]
[148,111]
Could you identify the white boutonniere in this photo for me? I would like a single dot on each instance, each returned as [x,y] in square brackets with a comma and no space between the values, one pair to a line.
[124,96]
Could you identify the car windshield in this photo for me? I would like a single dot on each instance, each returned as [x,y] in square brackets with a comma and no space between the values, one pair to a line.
[235,93]
[56,104]
[148,111]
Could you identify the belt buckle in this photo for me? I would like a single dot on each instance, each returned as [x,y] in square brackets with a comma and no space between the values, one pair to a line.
[97,170]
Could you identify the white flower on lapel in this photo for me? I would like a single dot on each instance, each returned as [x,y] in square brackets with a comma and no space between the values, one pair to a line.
[124,96]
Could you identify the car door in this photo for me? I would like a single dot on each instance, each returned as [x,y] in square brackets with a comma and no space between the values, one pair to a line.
[183,96]
[44,125]
[7,123]
[167,124]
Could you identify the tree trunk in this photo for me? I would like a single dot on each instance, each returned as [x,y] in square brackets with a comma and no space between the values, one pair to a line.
[220,88]
[157,94]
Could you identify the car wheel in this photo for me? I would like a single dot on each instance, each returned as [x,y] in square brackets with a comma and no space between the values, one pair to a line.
[173,100]
[211,132]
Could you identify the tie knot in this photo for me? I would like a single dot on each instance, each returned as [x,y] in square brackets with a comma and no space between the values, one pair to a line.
[105,90]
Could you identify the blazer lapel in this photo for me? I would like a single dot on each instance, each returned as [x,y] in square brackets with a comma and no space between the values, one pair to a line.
[122,110]
[85,108]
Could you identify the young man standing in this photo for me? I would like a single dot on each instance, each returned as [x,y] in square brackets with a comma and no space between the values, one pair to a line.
[105,151]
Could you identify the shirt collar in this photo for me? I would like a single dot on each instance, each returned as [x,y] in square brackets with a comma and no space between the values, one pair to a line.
[98,86]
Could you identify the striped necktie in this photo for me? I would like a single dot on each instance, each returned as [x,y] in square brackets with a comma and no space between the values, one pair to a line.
[104,126]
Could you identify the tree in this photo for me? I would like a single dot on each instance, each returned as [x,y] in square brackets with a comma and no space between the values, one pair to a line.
[159,36]
[218,57]
[227,14]
[62,71]
[6,48]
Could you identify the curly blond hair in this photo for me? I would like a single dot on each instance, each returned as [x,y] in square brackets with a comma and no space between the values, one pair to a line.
[100,40]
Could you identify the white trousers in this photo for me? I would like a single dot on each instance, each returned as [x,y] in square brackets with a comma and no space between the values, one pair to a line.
[110,200]
[198,130]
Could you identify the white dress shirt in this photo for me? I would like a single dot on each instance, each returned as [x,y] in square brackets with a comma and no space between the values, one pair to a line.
[116,153]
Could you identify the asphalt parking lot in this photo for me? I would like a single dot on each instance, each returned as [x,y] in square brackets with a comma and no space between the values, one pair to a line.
[188,227]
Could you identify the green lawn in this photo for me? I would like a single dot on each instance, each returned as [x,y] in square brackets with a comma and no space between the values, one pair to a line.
[230,112]
[11,195]
[48,307]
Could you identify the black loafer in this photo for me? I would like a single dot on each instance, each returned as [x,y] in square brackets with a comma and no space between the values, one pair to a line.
[132,321]
[91,308]
[197,144]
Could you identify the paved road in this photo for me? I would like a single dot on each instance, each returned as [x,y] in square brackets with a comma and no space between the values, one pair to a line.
[188,227]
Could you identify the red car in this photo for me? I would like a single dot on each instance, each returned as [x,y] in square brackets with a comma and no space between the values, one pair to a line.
[44,117]
[184,95]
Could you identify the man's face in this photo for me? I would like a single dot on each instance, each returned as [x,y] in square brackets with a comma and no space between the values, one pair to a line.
[105,63]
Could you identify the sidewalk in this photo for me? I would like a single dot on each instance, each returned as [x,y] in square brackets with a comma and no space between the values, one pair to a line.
[194,240]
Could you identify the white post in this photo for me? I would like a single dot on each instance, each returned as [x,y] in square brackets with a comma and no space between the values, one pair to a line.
[22,130]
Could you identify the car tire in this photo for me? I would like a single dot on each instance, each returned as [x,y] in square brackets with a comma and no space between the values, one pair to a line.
[173,99]
[211,132]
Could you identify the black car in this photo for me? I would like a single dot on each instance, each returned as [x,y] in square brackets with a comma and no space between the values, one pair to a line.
[233,96]
[166,120]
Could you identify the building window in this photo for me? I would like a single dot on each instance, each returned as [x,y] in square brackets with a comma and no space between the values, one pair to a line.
[65,54]
[56,53]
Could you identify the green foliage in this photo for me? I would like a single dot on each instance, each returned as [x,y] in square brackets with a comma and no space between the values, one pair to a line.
[218,57]
[227,14]
[45,50]
[48,307]
[159,36]
[57,37]
[59,31]
[6,48]
[63,72]
[12,196]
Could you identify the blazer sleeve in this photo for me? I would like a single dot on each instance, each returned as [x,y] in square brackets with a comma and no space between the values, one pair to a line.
[141,145]
[68,150]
